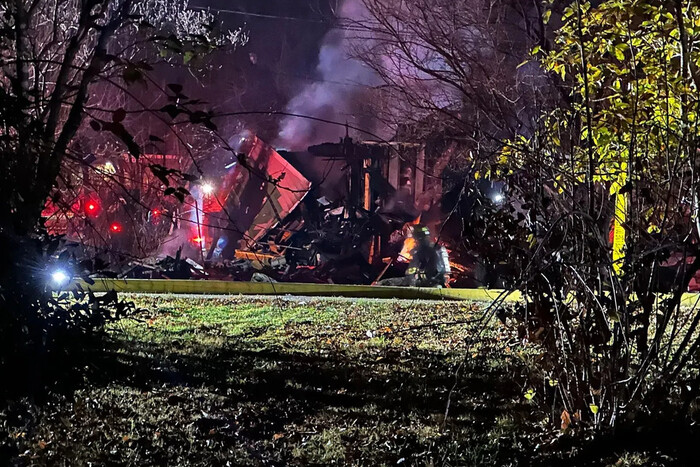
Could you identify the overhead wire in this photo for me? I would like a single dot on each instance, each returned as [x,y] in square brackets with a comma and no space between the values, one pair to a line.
[331,22]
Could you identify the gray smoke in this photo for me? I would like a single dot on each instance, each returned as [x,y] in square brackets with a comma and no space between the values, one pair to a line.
[335,95]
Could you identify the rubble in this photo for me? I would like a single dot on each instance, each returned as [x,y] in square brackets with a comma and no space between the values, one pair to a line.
[268,219]
[260,277]
[180,268]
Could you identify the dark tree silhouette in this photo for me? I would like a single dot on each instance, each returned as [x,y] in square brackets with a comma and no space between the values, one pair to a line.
[60,59]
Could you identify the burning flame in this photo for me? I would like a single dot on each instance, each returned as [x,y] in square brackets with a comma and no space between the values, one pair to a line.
[409,242]
[408,245]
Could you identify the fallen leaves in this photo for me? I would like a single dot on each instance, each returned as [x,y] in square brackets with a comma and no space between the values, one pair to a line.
[191,397]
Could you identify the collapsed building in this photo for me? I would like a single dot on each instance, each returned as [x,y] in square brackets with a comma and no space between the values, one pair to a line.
[338,212]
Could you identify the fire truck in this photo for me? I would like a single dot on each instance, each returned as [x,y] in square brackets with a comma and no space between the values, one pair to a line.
[116,203]
[252,195]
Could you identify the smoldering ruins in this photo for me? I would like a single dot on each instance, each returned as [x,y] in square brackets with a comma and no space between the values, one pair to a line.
[332,196]
[337,212]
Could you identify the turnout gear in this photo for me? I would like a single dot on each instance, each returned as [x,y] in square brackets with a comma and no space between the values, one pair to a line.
[429,264]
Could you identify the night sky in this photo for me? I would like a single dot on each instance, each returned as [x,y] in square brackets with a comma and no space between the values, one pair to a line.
[278,61]
[284,34]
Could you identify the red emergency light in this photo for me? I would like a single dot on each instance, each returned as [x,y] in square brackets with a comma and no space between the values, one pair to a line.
[154,215]
[116,227]
[92,207]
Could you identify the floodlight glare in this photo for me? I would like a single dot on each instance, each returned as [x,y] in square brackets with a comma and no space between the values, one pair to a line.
[59,277]
[207,188]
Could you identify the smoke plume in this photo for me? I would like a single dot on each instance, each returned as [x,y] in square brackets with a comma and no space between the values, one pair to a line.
[335,94]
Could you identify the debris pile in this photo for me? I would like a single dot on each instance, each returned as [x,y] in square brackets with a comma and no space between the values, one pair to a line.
[169,267]
[275,216]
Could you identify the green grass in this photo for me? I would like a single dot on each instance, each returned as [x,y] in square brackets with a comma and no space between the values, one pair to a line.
[249,381]
[254,381]
[309,325]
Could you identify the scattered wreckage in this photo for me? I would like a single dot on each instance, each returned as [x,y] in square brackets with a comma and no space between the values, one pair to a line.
[337,213]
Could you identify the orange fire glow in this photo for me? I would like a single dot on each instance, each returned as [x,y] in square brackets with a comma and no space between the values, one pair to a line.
[408,245]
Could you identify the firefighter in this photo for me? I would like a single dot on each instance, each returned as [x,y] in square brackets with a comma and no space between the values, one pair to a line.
[429,266]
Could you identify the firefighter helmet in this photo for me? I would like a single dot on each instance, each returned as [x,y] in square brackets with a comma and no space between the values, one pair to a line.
[420,232]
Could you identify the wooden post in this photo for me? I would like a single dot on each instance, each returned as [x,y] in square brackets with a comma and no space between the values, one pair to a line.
[419,176]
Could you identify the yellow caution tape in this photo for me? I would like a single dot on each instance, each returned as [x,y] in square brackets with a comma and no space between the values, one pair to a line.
[216,287]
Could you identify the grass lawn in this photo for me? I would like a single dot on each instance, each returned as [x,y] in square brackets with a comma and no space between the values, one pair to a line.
[251,381]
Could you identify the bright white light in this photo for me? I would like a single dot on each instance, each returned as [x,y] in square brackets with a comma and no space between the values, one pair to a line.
[59,277]
[109,168]
[498,198]
[207,188]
